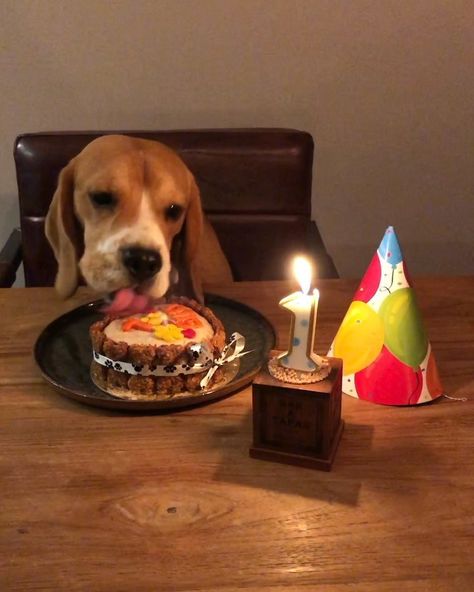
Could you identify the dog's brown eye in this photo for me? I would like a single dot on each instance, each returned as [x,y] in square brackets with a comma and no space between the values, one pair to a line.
[102,199]
[173,212]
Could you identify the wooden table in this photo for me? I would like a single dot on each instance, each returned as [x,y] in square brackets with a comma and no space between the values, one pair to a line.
[97,501]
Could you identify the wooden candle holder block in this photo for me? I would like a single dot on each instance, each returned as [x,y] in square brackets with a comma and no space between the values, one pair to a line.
[298,424]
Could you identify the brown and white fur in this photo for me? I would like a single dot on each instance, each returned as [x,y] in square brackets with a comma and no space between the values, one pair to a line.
[123,194]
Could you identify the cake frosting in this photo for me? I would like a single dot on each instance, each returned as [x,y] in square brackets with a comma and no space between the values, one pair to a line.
[162,327]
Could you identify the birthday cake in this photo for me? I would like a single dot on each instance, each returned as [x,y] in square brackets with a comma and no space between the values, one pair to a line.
[169,349]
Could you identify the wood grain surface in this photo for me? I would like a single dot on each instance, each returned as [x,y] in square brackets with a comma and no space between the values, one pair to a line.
[98,501]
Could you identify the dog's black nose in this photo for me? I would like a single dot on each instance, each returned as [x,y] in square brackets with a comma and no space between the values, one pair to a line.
[142,264]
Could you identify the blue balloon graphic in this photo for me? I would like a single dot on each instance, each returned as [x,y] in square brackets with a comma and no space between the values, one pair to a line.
[389,248]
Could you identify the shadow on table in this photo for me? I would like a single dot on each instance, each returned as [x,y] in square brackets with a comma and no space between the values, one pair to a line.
[334,487]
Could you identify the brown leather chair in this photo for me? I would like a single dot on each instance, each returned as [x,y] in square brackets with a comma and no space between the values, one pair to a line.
[255,186]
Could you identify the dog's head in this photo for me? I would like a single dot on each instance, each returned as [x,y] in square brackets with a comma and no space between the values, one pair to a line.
[120,209]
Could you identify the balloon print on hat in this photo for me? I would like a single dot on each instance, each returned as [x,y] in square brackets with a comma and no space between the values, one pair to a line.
[360,337]
[389,381]
[370,282]
[433,381]
[389,248]
[405,334]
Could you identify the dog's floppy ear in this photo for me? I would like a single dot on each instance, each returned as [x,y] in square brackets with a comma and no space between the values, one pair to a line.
[197,253]
[64,234]
[192,236]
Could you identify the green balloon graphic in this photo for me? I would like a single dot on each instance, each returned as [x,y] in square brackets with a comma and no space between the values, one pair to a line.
[405,335]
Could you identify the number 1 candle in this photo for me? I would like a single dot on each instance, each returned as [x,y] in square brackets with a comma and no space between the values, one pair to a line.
[303,307]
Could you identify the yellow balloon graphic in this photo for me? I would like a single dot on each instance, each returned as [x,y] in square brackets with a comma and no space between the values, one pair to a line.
[360,337]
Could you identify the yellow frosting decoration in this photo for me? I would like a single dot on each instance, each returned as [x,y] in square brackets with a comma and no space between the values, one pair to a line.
[168,332]
[155,318]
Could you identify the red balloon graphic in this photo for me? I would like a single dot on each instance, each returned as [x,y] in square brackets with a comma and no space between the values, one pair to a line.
[389,382]
[433,381]
[370,282]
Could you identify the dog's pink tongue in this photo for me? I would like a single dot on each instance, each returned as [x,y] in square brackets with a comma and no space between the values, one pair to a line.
[127,302]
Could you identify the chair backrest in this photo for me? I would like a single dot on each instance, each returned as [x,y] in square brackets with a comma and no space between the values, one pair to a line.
[255,186]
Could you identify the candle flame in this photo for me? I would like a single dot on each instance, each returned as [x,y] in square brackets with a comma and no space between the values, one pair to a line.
[302,271]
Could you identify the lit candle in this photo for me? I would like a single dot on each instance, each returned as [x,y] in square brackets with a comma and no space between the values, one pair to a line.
[304,309]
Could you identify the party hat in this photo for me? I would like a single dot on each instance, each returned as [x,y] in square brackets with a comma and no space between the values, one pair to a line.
[386,352]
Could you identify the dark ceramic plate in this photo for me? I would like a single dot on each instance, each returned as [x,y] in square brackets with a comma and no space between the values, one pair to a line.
[63,353]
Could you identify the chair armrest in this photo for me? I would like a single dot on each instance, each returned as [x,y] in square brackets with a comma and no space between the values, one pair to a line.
[10,259]
[326,268]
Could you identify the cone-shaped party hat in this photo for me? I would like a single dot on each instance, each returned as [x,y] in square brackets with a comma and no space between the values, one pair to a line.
[386,352]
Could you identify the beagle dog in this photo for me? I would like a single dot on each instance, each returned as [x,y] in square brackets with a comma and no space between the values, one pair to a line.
[127,213]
